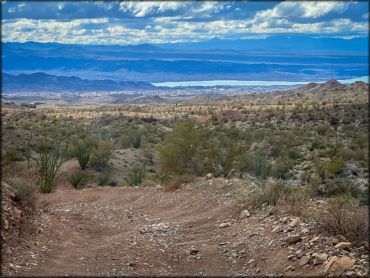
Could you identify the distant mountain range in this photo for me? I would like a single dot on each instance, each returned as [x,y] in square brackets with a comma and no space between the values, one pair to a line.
[41,82]
[290,58]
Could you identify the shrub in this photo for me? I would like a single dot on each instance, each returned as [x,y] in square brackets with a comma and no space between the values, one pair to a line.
[136,176]
[281,167]
[25,192]
[78,179]
[178,153]
[82,151]
[12,155]
[344,216]
[256,164]
[48,164]
[136,140]
[177,181]
[293,203]
[100,155]
[104,177]
[270,194]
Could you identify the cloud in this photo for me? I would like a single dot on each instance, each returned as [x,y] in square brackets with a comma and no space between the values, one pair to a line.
[313,9]
[156,8]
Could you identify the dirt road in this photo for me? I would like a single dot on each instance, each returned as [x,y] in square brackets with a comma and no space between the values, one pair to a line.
[146,231]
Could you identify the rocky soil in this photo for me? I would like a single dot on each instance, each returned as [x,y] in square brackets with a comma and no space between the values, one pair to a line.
[110,231]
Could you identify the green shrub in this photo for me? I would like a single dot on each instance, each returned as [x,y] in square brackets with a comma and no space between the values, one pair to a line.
[48,164]
[100,155]
[82,151]
[78,179]
[280,169]
[256,164]
[136,176]
[270,194]
[104,177]
[178,153]
[136,140]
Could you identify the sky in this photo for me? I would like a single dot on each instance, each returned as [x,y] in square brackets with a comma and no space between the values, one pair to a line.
[134,22]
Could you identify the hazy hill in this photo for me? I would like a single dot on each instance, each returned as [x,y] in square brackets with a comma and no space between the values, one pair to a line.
[41,82]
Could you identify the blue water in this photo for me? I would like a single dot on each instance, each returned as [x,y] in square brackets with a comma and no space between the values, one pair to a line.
[212,83]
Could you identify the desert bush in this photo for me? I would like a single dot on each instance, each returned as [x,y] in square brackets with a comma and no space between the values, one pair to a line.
[178,153]
[344,216]
[294,203]
[256,164]
[100,155]
[177,181]
[136,176]
[104,177]
[136,140]
[49,161]
[269,194]
[82,151]
[25,191]
[281,167]
[12,155]
[78,179]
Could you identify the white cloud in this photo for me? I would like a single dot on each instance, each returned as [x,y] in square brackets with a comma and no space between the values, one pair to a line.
[151,8]
[312,9]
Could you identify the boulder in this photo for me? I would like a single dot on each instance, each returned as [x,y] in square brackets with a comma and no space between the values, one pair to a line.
[244,214]
[337,266]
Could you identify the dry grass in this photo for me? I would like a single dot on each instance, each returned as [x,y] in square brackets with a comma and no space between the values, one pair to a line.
[176,182]
[344,216]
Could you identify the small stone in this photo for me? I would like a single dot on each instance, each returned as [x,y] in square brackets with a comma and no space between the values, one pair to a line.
[244,214]
[293,239]
[250,261]
[343,245]
[224,225]
[295,222]
[277,229]
[209,176]
[305,231]
[304,260]
[193,250]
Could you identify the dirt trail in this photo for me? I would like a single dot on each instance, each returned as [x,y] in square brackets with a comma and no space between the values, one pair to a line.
[146,231]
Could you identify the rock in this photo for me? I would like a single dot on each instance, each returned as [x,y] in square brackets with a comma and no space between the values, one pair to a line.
[193,250]
[304,260]
[305,231]
[209,176]
[319,258]
[224,225]
[343,245]
[312,241]
[337,266]
[293,239]
[277,229]
[244,214]
[295,222]
[251,261]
